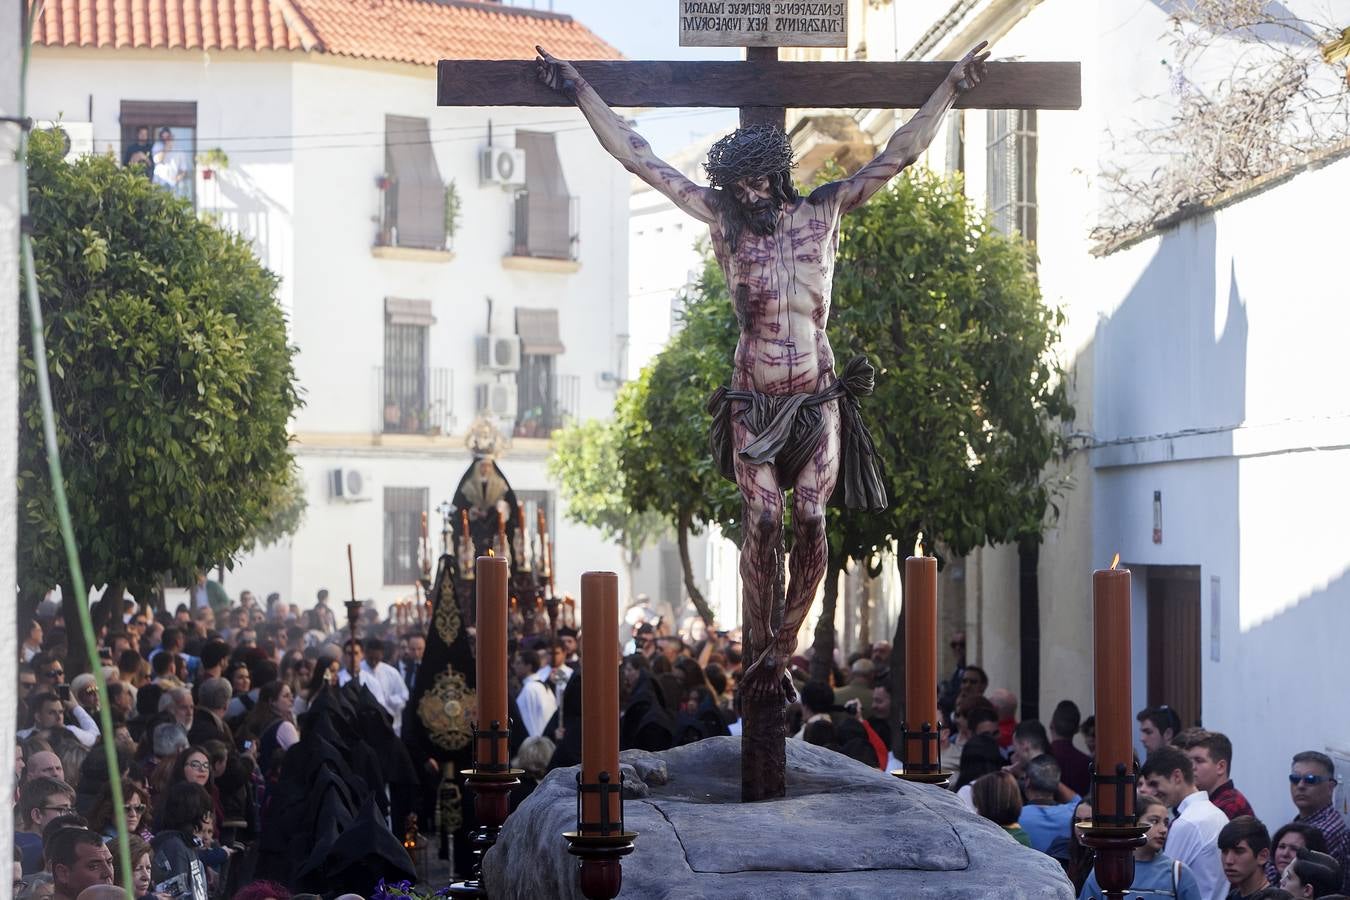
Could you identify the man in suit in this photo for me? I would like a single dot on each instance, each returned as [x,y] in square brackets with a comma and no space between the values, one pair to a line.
[410,660]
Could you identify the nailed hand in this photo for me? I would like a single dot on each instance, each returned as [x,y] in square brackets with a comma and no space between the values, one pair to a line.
[971,69]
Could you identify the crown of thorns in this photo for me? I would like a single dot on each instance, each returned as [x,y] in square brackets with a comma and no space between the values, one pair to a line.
[748,153]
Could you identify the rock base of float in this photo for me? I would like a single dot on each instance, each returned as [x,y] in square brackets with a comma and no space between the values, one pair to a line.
[843,831]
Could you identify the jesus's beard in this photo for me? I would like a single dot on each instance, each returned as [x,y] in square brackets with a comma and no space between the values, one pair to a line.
[762,217]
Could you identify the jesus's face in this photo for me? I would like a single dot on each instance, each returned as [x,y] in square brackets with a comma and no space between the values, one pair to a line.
[758,204]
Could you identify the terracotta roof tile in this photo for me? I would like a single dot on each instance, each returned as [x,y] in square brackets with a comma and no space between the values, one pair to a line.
[411,31]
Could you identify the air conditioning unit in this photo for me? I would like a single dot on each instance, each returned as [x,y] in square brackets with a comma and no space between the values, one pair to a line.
[497,399]
[348,485]
[502,166]
[498,353]
[78,137]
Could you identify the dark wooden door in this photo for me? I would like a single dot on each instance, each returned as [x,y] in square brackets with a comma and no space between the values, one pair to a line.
[1174,640]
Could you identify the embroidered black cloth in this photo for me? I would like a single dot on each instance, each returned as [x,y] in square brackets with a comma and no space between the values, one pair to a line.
[788,428]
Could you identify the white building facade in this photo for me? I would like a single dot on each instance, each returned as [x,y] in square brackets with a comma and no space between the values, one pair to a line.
[322,143]
[664,261]
[1212,428]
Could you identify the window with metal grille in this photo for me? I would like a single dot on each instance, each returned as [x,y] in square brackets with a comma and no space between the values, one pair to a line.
[1011,155]
[405,377]
[403,509]
[535,390]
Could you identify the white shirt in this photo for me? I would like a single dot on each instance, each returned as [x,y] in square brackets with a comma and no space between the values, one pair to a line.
[546,675]
[801,732]
[537,705]
[85,731]
[1193,839]
[395,691]
[368,679]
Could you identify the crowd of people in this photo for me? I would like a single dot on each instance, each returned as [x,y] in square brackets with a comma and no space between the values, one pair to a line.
[1204,841]
[206,705]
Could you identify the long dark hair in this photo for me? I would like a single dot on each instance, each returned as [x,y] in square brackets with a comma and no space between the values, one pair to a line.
[732,214]
[103,815]
[262,715]
[979,757]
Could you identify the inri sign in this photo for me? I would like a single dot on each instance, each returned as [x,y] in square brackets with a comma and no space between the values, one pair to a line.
[763,23]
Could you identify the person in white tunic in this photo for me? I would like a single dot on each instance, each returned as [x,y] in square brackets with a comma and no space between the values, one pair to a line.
[391,682]
[536,701]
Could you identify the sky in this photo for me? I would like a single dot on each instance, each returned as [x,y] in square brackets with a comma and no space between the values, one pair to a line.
[648,29]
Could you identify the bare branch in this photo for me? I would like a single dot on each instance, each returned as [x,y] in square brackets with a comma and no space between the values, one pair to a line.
[1269,101]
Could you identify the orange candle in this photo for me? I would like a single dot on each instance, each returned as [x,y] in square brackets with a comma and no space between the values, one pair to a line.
[600,690]
[921,657]
[1111,676]
[491,668]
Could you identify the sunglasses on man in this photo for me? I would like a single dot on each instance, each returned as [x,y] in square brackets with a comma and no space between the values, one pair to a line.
[1310,779]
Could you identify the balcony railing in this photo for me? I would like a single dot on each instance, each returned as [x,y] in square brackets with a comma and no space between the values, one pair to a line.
[546,415]
[414,400]
[546,227]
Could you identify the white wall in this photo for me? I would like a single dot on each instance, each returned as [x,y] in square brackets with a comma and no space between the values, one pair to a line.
[9,387]
[305,139]
[340,307]
[340,315]
[254,193]
[1232,320]
[663,260]
[1219,362]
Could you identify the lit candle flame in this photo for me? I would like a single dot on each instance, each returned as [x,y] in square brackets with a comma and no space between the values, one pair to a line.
[918,545]
[1115,561]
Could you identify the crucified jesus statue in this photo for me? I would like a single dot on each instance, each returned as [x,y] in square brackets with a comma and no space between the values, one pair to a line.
[787,420]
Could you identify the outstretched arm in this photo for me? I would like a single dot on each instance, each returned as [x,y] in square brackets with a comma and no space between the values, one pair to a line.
[622,142]
[909,141]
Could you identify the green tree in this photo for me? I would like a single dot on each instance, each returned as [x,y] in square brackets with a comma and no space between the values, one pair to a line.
[967,385]
[585,464]
[172,383]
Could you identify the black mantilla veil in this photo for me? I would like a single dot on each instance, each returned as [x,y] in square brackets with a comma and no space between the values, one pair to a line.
[751,152]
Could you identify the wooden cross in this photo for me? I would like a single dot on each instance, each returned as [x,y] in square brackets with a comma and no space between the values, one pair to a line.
[763,87]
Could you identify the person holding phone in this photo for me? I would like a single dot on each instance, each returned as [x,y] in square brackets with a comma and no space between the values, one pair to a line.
[49,710]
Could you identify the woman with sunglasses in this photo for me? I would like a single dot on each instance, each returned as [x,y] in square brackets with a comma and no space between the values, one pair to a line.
[135,810]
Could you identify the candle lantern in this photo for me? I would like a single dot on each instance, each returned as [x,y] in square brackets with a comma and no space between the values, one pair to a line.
[600,841]
[1114,831]
[491,778]
[920,733]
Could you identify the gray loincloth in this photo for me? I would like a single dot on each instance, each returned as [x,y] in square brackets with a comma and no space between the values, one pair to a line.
[787,428]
